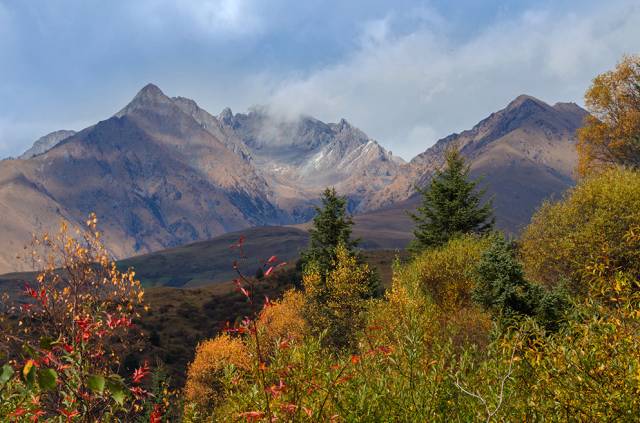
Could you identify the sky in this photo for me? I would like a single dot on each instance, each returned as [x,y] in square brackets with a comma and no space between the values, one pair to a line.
[406,72]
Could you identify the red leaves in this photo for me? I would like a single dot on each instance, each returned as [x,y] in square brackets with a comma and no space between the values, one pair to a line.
[355,359]
[36,414]
[139,393]
[288,408]
[272,259]
[156,415]
[276,390]
[86,326]
[239,330]
[268,272]
[140,373]
[69,414]
[30,291]
[114,323]
[18,412]
[252,416]
[38,296]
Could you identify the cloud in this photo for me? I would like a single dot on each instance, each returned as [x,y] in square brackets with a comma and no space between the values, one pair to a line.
[409,88]
[219,18]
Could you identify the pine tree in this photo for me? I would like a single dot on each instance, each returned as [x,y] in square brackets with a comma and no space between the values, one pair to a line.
[331,227]
[451,206]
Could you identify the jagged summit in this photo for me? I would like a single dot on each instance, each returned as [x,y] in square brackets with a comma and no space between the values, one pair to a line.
[149,96]
[226,115]
[523,99]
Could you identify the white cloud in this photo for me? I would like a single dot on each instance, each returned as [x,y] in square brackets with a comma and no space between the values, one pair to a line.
[401,87]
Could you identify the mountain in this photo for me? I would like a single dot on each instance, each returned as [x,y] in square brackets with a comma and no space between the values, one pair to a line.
[524,153]
[46,143]
[301,157]
[163,172]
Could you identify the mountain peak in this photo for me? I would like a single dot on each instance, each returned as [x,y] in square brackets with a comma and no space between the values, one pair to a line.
[344,124]
[150,95]
[523,100]
[226,115]
[150,90]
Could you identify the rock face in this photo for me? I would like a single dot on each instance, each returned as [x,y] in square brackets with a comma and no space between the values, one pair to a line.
[300,157]
[163,172]
[46,143]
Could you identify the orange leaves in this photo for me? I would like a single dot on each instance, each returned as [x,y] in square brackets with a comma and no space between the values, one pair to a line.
[611,133]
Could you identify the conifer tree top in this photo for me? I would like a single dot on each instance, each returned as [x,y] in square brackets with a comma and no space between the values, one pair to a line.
[451,206]
[331,227]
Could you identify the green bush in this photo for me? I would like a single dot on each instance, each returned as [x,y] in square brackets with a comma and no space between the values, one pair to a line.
[590,224]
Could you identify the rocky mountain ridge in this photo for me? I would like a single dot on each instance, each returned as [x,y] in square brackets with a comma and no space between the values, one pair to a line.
[163,172]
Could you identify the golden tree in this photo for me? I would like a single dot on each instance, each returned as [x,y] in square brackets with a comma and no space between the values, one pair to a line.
[337,304]
[611,134]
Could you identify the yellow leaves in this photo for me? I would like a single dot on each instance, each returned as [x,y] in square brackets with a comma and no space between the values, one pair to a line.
[203,386]
[587,237]
[445,273]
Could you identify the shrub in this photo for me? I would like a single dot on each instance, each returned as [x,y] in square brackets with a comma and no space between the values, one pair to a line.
[591,222]
[336,302]
[282,321]
[503,290]
[73,332]
[204,386]
[446,273]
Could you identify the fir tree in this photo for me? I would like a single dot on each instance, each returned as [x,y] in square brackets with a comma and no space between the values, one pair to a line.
[451,206]
[331,230]
[331,227]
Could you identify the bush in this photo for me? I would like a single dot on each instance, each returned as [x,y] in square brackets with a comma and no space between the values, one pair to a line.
[282,321]
[591,223]
[73,336]
[336,302]
[204,386]
[446,273]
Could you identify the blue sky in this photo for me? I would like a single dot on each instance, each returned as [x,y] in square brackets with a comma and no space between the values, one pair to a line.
[406,72]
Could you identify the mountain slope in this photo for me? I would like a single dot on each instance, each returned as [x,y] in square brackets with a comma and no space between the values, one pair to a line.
[46,143]
[524,154]
[163,172]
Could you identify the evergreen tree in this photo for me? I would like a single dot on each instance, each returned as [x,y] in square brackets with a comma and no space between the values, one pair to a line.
[331,227]
[450,206]
[502,289]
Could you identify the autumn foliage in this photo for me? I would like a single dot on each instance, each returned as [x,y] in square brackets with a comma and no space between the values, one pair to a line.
[611,134]
[70,333]
[593,221]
